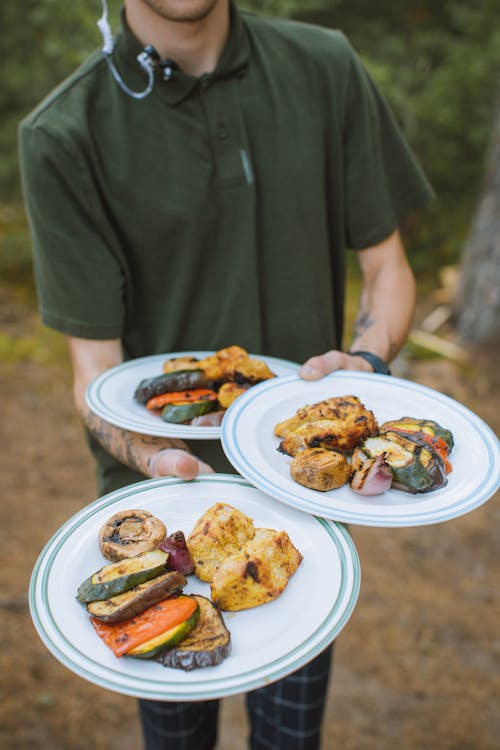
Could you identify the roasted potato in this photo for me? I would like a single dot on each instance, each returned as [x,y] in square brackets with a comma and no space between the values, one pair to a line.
[229,392]
[320,469]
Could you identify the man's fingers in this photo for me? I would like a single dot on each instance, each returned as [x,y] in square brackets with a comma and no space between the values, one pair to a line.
[318,367]
[178,463]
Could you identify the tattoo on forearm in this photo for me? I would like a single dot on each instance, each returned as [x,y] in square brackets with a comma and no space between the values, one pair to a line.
[130,448]
[363,323]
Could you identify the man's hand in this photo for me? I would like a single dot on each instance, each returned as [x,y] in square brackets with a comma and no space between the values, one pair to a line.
[178,463]
[151,456]
[385,311]
[323,364]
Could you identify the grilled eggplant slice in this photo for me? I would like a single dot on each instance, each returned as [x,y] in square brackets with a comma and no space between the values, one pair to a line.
[134,601]
[414,468]
[181,380]
[121,576]
[207,645]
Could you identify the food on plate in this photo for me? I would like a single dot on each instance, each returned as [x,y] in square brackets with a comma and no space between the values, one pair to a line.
[122,575]
[371,476]
[221,531]
[129,533]
[408,454]
[338,423]
[258,573]
[207,645]
[229,392]
[414,468]
[320,469]
[179,557]
[194,389]
[161,626]
[181,380]
[426,432]
[246,566]
[137,599]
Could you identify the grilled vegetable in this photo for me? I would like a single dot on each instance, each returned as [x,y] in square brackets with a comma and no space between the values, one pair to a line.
[122,576]
[426,433]
[129,533]
[207,645]
[320,469]
[131,603]
[162,625]
[181,380]
[180,413]
[427,426]
[179,557]
[181,397]
[414,468]
[372,476]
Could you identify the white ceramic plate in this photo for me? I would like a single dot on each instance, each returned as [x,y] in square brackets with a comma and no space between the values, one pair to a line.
[250,445]
[111,396]
[268,642]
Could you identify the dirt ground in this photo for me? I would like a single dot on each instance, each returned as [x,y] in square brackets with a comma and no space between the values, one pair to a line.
[417,667]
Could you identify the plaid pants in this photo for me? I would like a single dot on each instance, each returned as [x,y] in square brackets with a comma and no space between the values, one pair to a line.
[286,715]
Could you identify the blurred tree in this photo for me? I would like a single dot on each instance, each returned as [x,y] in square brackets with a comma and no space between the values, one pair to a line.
[477,307]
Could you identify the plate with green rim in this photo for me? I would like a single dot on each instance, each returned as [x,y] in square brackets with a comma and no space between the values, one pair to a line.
[267,642]
[251,446]
[111,396]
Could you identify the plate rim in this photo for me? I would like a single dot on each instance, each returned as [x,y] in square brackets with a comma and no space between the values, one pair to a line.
[339,613]
[164,429]
[488,487]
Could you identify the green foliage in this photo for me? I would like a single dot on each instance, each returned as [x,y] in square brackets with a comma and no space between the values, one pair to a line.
[436,62]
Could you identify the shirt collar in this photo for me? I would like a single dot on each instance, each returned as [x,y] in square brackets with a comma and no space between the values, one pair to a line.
[233,62]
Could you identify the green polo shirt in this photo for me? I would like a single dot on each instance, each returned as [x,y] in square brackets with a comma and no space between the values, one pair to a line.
[217,210]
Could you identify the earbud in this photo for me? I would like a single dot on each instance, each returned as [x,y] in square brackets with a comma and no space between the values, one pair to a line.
[148,59]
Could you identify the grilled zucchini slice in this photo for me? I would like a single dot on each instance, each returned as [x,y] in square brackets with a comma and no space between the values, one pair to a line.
[121,576]
[131,603]
[414,468]
[168,639]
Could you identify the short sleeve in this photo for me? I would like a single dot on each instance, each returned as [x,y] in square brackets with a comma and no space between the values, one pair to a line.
[78,274]
[383,180]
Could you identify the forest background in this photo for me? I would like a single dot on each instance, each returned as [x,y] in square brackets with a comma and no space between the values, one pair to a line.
[418,666]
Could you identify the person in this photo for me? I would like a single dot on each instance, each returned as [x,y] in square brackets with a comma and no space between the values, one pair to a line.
[198,183]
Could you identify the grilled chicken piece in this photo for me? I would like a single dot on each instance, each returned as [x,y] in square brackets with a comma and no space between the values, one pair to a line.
[221,365]
[332,434]
[256,574]
[347,411]
[251,370]
[220,531]
[320,469]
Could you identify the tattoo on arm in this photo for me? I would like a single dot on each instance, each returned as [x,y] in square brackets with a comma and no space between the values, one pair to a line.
[130,448]
[363,323]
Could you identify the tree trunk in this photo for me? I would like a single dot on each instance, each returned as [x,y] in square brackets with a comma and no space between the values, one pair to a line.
[477,306]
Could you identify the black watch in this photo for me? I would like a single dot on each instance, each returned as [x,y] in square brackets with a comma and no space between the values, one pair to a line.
[378,364]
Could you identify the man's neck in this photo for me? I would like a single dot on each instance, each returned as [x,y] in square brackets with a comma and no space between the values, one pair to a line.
[195,46]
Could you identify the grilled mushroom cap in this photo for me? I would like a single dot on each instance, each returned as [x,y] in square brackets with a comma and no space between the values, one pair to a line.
[129,533]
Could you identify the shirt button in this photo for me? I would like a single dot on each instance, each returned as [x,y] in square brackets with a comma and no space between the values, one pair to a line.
[222,133]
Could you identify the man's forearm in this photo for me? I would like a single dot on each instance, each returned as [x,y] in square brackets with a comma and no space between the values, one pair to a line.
[386,307]
[129,448]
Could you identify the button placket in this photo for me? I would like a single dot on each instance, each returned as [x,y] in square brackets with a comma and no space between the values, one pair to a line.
[226,133]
